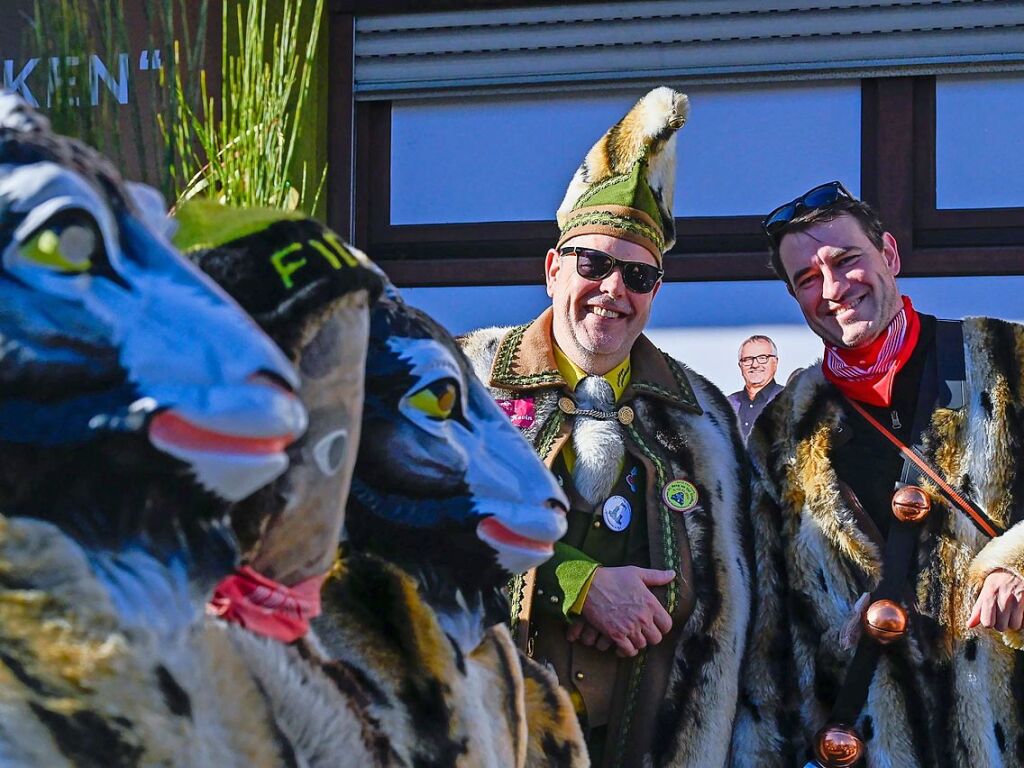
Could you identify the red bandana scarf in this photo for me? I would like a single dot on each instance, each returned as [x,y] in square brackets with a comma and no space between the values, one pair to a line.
[867,374]
[265,607]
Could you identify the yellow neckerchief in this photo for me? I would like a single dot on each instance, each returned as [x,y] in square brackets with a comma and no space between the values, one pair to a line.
[617,377]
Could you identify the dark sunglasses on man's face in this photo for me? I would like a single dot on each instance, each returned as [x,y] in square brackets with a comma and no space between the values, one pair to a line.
[597,265]
[819,197]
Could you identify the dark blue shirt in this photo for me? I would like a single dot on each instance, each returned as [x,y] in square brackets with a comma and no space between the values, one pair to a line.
[747,410]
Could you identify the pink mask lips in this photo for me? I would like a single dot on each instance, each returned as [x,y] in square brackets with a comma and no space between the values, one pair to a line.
[168,427]
[491,529]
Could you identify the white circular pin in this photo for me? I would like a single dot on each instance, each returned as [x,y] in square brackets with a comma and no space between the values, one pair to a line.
[617,513]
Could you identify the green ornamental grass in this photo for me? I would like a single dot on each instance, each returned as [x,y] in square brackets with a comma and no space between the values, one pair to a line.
[241,150]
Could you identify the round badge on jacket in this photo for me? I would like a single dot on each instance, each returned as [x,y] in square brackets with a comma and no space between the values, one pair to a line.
[617,513]
[680,495]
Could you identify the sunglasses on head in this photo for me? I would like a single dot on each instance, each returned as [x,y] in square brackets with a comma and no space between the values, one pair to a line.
[819,197]
[597,265]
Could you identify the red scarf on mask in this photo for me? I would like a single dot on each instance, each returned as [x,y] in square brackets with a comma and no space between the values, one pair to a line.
[867,374]
[266,607]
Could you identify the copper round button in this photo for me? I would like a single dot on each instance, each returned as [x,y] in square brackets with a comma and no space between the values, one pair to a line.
[837,746]
[910,504]
[885,621]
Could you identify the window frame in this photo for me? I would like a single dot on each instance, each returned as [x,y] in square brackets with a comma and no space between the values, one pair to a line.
[897,178]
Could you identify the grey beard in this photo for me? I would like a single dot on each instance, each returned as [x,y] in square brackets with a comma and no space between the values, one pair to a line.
[598,443]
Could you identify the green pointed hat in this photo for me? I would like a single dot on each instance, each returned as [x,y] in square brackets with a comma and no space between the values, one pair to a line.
[624,188]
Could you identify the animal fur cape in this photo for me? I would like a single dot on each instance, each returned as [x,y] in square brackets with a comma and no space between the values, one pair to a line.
[419,698]
[946,695]
[689,429]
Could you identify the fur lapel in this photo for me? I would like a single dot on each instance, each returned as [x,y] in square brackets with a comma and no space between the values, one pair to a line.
[685,429]
[946,695]
[524,361]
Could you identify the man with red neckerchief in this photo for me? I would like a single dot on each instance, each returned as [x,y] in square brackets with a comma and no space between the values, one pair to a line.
[883,636]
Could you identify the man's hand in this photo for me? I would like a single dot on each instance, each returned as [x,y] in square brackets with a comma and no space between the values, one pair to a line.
[582,632]
[621,607]
[1000,605]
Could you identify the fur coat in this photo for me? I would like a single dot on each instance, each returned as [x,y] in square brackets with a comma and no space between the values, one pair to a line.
[687,430]
[419,698]
[944,695]
[85,681]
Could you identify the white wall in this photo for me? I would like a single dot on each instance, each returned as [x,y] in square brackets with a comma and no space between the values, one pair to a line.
[702,324]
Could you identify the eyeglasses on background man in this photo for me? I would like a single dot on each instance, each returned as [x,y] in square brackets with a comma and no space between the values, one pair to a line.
[746,362]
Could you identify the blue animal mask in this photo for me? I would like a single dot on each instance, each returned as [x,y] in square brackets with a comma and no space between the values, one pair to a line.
[443,479]
[444,485]
[108,336]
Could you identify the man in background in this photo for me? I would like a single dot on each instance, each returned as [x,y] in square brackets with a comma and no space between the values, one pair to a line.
[758,361]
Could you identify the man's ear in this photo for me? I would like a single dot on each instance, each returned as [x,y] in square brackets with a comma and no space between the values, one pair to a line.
[891,253]
[552,263]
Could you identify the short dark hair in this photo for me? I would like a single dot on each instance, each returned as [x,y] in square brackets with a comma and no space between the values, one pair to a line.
[864,214]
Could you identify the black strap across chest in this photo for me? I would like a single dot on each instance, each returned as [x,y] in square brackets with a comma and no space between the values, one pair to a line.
[943,385]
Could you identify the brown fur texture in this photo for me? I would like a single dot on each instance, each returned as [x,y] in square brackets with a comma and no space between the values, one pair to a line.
[421,700]
[78,688]
[647,132]
[689,427]
[945,695]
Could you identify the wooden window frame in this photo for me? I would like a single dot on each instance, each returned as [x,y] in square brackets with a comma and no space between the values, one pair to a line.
[897,178]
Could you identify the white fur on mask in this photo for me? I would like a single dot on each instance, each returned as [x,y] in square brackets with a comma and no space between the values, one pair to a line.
[598,443]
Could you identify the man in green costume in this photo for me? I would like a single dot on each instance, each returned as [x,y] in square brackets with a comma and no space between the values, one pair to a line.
[643,610]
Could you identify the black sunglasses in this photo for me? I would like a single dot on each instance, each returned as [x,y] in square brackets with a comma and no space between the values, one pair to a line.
[819,197]
[597,265]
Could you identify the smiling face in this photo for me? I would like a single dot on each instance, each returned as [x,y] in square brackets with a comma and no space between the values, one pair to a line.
[596,321]
[756,375]
[845,285]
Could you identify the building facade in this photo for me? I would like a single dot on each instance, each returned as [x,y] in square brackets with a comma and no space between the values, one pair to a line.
[453,132]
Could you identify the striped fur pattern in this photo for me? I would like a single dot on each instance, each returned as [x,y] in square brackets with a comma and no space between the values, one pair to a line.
[694,716]
[947,696]
[647,131]
[77,691]
[420,699]
[78,688]
[113,528]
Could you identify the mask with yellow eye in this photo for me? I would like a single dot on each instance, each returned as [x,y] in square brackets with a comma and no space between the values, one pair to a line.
[438,400]
[67,243]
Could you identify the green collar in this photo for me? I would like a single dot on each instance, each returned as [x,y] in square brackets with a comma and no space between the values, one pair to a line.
[525,361]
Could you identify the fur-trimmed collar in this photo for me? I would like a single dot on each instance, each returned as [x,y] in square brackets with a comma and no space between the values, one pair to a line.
[525,360]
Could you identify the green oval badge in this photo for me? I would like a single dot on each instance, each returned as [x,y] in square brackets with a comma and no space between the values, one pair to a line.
[680,495]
